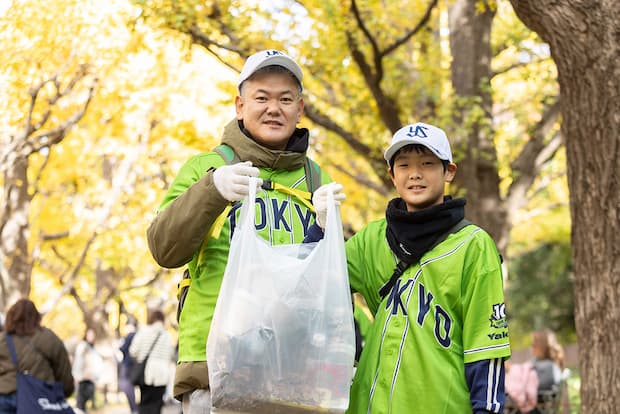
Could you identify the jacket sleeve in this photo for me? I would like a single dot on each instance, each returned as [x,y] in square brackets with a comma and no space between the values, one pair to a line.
[189,209]
[485,379]
[315,233]
[61,365]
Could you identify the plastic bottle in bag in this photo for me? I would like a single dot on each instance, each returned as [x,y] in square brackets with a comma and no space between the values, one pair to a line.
[336,370]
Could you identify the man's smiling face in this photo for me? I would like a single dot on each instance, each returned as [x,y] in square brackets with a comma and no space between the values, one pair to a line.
[270,107]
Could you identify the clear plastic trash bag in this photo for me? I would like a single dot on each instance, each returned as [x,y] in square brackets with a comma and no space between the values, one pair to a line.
[282,337]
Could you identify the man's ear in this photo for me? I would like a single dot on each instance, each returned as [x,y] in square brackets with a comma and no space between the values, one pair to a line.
[239,107]
[300,112]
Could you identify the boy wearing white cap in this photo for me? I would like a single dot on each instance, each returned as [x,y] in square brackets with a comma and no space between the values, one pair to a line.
[434,283]
[197,217]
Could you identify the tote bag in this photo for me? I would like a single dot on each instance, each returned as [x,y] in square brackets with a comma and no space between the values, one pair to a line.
[35,396]
[282,338]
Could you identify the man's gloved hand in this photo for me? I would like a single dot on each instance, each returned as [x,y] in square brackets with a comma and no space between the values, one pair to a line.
[232,181]
[319,200]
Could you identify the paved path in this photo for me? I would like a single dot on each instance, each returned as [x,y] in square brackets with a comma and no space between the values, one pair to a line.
[123,409]
[116,405]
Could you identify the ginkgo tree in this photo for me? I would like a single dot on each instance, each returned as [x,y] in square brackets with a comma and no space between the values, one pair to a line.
[50,93]
[148,101]
[372,66]
[99,103]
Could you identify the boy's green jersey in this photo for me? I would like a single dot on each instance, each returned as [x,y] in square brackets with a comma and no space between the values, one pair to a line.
[444,311]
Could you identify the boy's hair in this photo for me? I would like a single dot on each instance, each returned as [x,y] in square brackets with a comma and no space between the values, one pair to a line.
[420,149]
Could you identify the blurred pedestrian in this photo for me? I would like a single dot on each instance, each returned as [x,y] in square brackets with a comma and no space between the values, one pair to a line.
[39,352]
[548,360]
[153,342]
[537,385]
[126,363]
[87,368]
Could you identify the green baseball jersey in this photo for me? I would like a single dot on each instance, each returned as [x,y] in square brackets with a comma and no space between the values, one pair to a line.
[444,311]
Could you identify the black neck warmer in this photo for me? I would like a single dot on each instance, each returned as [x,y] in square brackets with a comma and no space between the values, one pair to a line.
[411,234]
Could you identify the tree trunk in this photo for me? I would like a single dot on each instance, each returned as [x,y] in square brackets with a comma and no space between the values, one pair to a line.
[584,36]
[14,233]
[470,37]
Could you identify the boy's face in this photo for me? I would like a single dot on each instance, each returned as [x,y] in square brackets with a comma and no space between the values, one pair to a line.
[270,107]
[419,178]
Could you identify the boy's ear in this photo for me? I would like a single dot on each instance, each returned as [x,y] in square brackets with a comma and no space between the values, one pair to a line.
[450,172]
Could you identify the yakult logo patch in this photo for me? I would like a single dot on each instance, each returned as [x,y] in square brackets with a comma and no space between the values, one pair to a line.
[498,316]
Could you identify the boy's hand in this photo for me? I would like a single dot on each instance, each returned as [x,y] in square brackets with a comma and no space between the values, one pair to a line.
[319,200]
[232,181]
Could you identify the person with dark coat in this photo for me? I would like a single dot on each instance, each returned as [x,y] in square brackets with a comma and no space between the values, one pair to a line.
[39,351]
[126,363]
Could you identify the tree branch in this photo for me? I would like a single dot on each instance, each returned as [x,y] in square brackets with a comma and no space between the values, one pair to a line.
[542,210]
[326,122]
[28,143]
[404,39]
[54,236]
[363,179]
[532,158]
[516,65]
[527,160]
[373,43]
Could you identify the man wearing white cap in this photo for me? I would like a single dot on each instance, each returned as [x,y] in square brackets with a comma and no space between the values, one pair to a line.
[434,282]
[197,217]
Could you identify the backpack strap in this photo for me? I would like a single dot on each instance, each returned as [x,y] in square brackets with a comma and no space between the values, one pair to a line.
[9,342]
[313,175]
[148,354]
[312,172]
[227,154]
[33,347]
[402,265]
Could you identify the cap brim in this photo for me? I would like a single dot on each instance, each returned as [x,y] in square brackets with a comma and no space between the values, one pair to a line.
[277,60]
[393,149]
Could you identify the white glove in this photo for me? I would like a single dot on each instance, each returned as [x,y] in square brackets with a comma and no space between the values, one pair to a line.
[319,200]
[232,181]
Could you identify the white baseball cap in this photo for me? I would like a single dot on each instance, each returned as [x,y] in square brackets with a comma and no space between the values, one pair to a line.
[266,58]
[430,136]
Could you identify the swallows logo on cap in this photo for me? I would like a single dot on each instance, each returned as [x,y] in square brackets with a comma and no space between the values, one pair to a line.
[417,131]
[273,53]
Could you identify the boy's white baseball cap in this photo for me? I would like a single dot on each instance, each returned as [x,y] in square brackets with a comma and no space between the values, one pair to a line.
[430,136]
[266,58]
